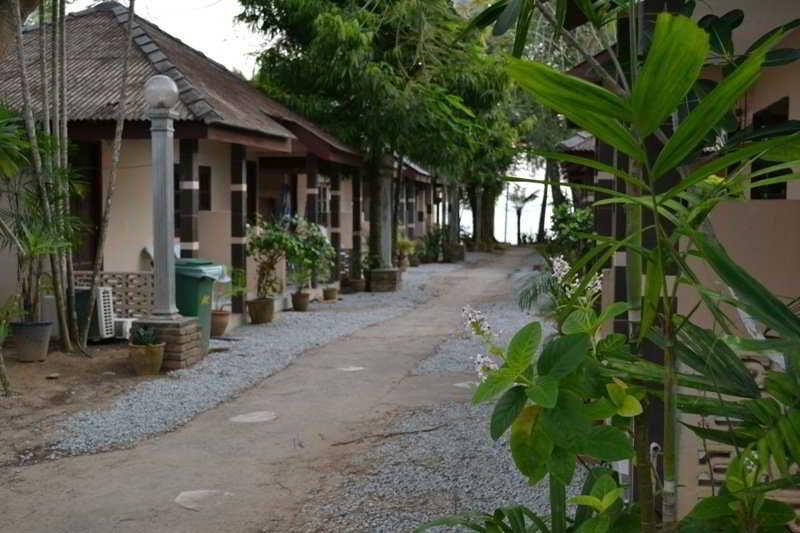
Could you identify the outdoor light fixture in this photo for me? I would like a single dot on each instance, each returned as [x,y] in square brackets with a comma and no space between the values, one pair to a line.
[160,92]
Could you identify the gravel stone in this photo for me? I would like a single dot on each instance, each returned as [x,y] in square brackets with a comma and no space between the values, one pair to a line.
[424,475]
[248,356]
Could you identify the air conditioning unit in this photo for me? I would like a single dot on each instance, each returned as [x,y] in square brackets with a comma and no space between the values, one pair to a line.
[122,328]
[102,325]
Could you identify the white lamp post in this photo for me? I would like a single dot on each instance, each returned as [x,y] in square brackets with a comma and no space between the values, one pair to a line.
[161,95]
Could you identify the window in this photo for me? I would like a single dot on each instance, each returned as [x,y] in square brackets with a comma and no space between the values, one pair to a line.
[205,188]
[772,115]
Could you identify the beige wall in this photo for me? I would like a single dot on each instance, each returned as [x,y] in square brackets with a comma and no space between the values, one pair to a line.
[762,236]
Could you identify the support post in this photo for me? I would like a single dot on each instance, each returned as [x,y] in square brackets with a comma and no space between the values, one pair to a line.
[189,199]
[162,132]
[238,216]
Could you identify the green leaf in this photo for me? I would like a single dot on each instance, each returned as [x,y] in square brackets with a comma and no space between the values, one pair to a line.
[523,346]
[544,392]
[713,507]
[506,410]
[589,106]
[630,407]
[603,485]
[597,524]
[754,298]
[580,321]
[710,111]
[709,355]
[607,444]
[617,394]
[530,447]
[611,497]
[567,94]
[507,18]
[562,465]
[588,501]
[523,27]
[652,296]
[495,384]
[488,16]
[567,423]
[600,409]
[673,64]
[615,345]
[612,311]
[775,513]
[563,355]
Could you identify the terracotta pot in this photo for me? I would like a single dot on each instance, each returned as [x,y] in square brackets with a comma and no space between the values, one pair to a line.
[330,294]
[357,284]
[300,301]
[261,310]
[219,322]
[32,340]
[146,360]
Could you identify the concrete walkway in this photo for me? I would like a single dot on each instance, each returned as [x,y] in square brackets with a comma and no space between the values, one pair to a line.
[239,476]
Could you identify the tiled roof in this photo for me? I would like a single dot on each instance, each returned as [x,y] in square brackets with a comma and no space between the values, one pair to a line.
[209,92]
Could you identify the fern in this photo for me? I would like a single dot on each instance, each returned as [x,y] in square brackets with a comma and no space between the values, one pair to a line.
[534,290]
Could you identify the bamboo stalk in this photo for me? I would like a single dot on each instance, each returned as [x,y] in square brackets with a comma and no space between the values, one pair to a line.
[112,182]
[30,127]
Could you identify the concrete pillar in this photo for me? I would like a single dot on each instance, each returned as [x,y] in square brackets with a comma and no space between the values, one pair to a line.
[238,216]
[162,134]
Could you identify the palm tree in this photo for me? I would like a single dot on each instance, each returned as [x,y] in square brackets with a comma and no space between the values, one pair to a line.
[519,198]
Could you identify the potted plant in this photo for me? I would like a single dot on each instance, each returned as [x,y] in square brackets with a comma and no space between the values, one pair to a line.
[310,253]
[267,243]
[416,256]
[357,281]
[146,353]
[220,316]
[34,240]
[405,249]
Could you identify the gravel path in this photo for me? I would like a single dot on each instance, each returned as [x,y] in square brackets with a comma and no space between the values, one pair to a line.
[505,317]
[253,354]
[415,478]
[441,461]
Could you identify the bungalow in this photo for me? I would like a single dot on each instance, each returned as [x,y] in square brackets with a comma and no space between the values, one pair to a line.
[238,154]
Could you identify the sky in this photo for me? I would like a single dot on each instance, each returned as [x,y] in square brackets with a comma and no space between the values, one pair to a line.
[207,25]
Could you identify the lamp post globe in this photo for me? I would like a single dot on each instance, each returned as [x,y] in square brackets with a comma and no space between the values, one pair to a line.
[160,92]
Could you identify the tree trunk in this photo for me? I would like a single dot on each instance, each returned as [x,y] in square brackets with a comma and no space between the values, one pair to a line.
[541,235]
[519,226]
[488,204]
[356,267]
[7,20]
[554,177]
[112,182]
[398,188]
[380,209]
[5,383]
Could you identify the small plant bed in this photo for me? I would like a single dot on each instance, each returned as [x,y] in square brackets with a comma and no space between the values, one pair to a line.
[46,393]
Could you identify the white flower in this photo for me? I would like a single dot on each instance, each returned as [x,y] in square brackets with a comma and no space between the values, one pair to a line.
[484,365]
[560,268]
[475,322]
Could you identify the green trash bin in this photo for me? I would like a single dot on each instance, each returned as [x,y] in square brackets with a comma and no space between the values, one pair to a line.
[194,286]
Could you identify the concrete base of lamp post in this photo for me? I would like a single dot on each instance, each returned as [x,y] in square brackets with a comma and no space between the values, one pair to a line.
[385,280]
[183,339]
